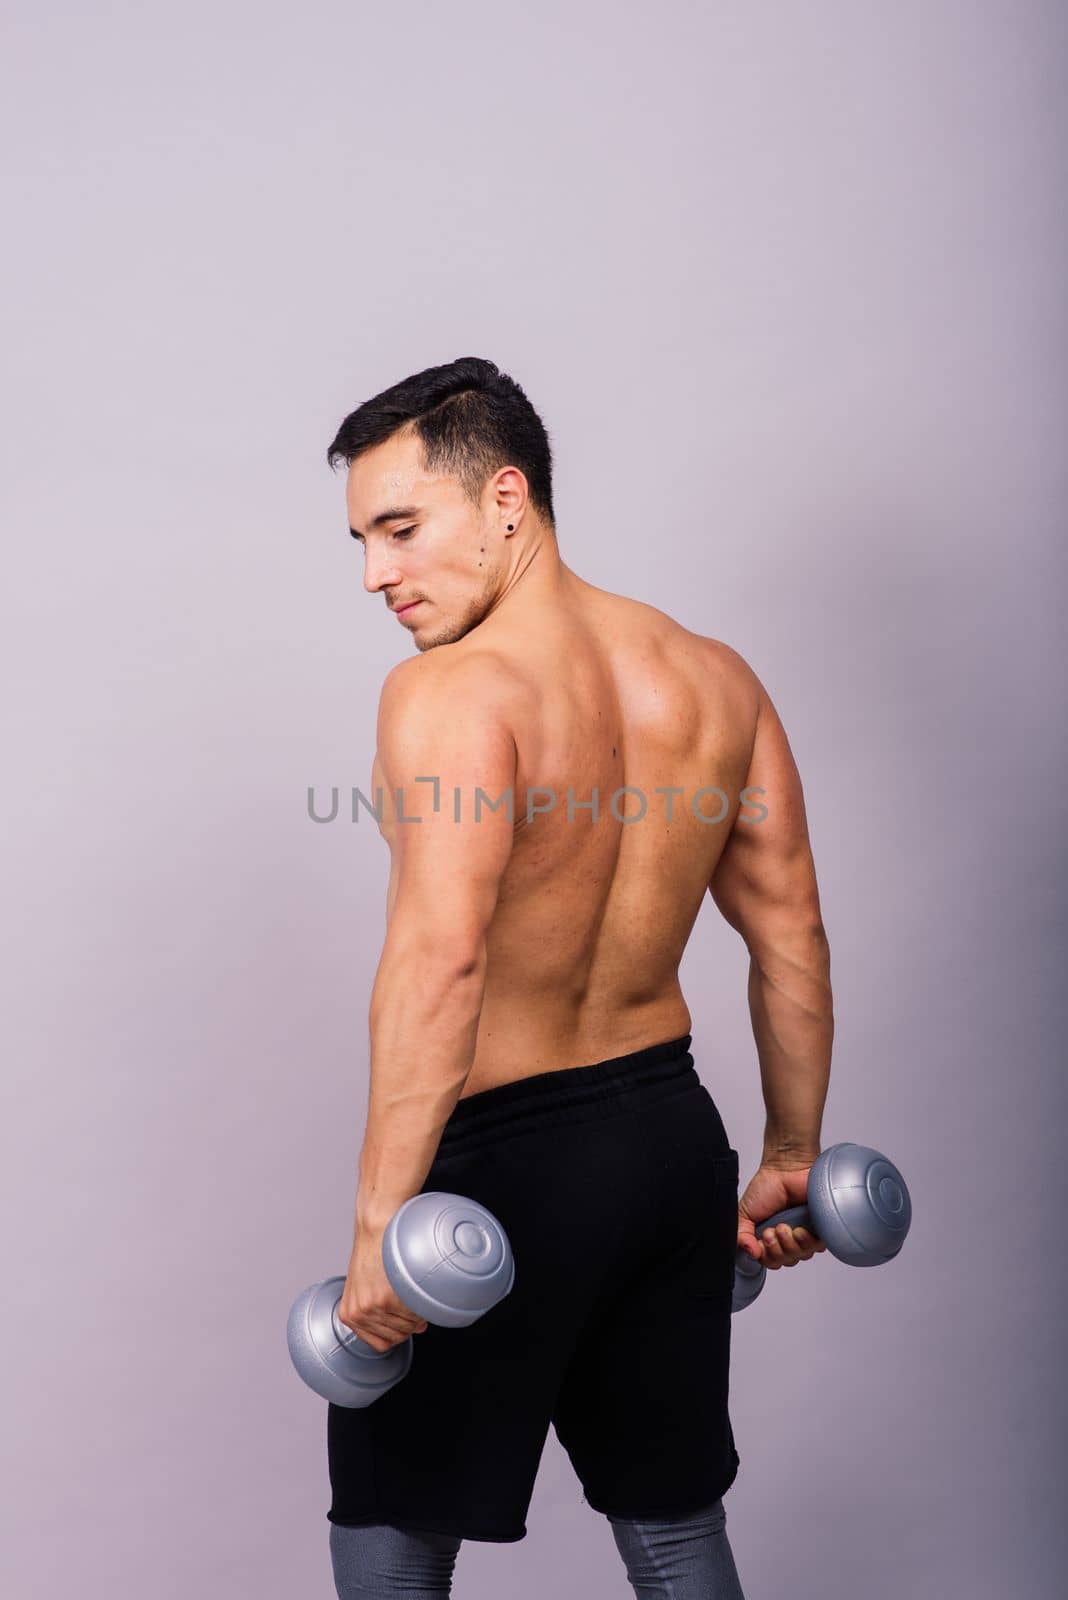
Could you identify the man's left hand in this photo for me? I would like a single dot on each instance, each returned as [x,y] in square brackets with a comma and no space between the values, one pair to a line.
[369,1305]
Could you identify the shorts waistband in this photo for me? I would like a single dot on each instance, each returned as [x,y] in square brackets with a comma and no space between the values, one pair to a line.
[539,1096]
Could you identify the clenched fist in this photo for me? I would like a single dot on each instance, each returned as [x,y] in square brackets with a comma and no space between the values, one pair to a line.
[772,1189]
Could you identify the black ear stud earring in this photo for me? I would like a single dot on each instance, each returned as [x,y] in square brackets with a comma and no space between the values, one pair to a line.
[510,528]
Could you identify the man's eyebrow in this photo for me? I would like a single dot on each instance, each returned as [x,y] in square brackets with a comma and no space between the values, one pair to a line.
[391,514]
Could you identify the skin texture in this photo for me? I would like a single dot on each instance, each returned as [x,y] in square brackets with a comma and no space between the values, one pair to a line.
[538,943]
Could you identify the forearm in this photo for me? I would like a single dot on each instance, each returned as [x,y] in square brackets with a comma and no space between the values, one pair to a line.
[424,1026]
[791,1006]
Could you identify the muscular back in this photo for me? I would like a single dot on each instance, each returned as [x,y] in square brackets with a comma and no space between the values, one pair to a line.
[594,913]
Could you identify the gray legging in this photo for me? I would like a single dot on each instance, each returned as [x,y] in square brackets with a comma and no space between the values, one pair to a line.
[680,1558]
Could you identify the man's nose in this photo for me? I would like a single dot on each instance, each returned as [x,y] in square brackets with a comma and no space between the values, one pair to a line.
[380,572]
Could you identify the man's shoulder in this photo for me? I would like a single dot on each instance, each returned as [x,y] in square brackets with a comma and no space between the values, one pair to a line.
[731,664]
[734,687]
[437,683]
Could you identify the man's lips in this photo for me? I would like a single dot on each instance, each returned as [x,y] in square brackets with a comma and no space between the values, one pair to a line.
[400,610]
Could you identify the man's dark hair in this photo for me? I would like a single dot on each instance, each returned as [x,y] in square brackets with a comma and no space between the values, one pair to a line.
[472,419]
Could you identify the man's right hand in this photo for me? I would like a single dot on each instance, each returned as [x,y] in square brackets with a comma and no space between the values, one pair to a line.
[771,1189]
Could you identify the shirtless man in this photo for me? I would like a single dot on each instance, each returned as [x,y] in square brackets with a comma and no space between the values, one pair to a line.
[562,774]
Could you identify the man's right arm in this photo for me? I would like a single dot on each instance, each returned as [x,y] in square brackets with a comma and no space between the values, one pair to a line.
[765,886]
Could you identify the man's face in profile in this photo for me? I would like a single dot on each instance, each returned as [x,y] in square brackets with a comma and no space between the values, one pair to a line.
[438,564]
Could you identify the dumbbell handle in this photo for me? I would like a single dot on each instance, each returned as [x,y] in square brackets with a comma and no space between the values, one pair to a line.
[795,1216]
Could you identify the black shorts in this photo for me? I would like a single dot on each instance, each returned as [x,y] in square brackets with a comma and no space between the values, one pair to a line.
[618,1190]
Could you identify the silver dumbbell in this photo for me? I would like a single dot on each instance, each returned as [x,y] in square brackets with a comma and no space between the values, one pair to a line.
[857,1204]
[447,1258]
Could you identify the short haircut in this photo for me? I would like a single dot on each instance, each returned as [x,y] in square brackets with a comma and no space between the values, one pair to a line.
[472,419]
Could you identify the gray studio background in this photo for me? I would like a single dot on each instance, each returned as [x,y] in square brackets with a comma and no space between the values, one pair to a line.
[786,283]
